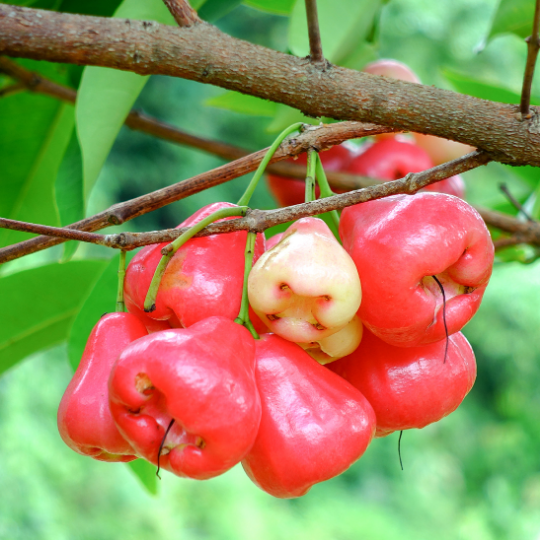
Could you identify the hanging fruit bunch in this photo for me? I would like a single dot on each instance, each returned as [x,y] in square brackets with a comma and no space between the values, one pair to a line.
[287,357]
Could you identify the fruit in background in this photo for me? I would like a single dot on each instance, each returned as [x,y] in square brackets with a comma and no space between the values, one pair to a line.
[337,345]
[84,420]
[393,69]
[410,387]
[291,191]
[440,150]
[398,243]
[203,377]
[314,424]
[305,288]
[391,159]
[204,278]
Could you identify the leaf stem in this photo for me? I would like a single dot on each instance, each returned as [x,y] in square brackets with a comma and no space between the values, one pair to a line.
[244,200]
[243,315]
[169,250]
[120,304]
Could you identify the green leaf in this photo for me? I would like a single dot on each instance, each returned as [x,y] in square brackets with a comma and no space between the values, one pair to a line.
[234,101]
[467,85]
[513,17]
[99,8]
[343,26]
[213,10]
[40,305]
[279,7]
[34,134]
[146,473]
[69,191]
[106,96]
[100,299]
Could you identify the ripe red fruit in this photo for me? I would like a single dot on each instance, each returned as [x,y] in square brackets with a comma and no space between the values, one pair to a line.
[203,378]
[398,243]
[204,278]
[410,387]
[84,420]
[291,191]
[314,424]
[392,158]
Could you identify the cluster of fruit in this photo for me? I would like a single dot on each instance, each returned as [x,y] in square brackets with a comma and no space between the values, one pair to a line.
[357,341]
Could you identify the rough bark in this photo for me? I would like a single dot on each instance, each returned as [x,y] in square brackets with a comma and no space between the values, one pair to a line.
[205,54]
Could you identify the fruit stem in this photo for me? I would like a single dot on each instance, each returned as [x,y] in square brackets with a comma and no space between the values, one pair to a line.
[243,315]
[169,250]
[325,189]
[120,304]
[244,200]
[443,316]
[310,178]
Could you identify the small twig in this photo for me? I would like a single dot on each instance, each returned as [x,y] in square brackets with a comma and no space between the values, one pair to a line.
[533,45]
[183,13]
[12,89]
[515,203]
[509,241]
[259,220]
[315,45]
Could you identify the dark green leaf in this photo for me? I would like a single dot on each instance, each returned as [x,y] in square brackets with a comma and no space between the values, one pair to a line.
[101,299]
[234,101]
[513,17]
[146,473]
[34,133]
[279,7]
[69,191]
[344,25]
[213,10]
[39,306]
[99,8]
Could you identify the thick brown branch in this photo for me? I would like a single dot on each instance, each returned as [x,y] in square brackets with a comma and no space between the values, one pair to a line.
[315,45]
[182,12]
[533,45]
[259,220]
[319,137]
[141,122]
[203,53]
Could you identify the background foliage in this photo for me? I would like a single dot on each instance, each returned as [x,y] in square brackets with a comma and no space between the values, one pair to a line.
[475,475]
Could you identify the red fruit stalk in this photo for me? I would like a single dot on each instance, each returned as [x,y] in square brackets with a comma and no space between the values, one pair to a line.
[203,378]
[398,243]
[84,420]
[314,424]
[410,387]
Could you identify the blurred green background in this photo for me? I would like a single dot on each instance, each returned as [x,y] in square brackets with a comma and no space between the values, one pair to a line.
[475,475]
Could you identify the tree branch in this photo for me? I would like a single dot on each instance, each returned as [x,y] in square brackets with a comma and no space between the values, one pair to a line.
[183,13]
[260,220]
[319,137]
[315,45]
[203,53]
[533,45]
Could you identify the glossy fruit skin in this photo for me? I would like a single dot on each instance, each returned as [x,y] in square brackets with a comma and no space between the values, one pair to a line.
[393,69]
[291,191]
[306,287]
[204,278]
[392,158]
[314,424]
[397,243]
[410,387]
[203,377]
[84,420]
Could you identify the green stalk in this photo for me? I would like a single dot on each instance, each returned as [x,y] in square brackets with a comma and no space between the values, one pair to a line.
[120,305]
[173,247]
[325,189]
[246,197]
[243,315]
[312,159]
